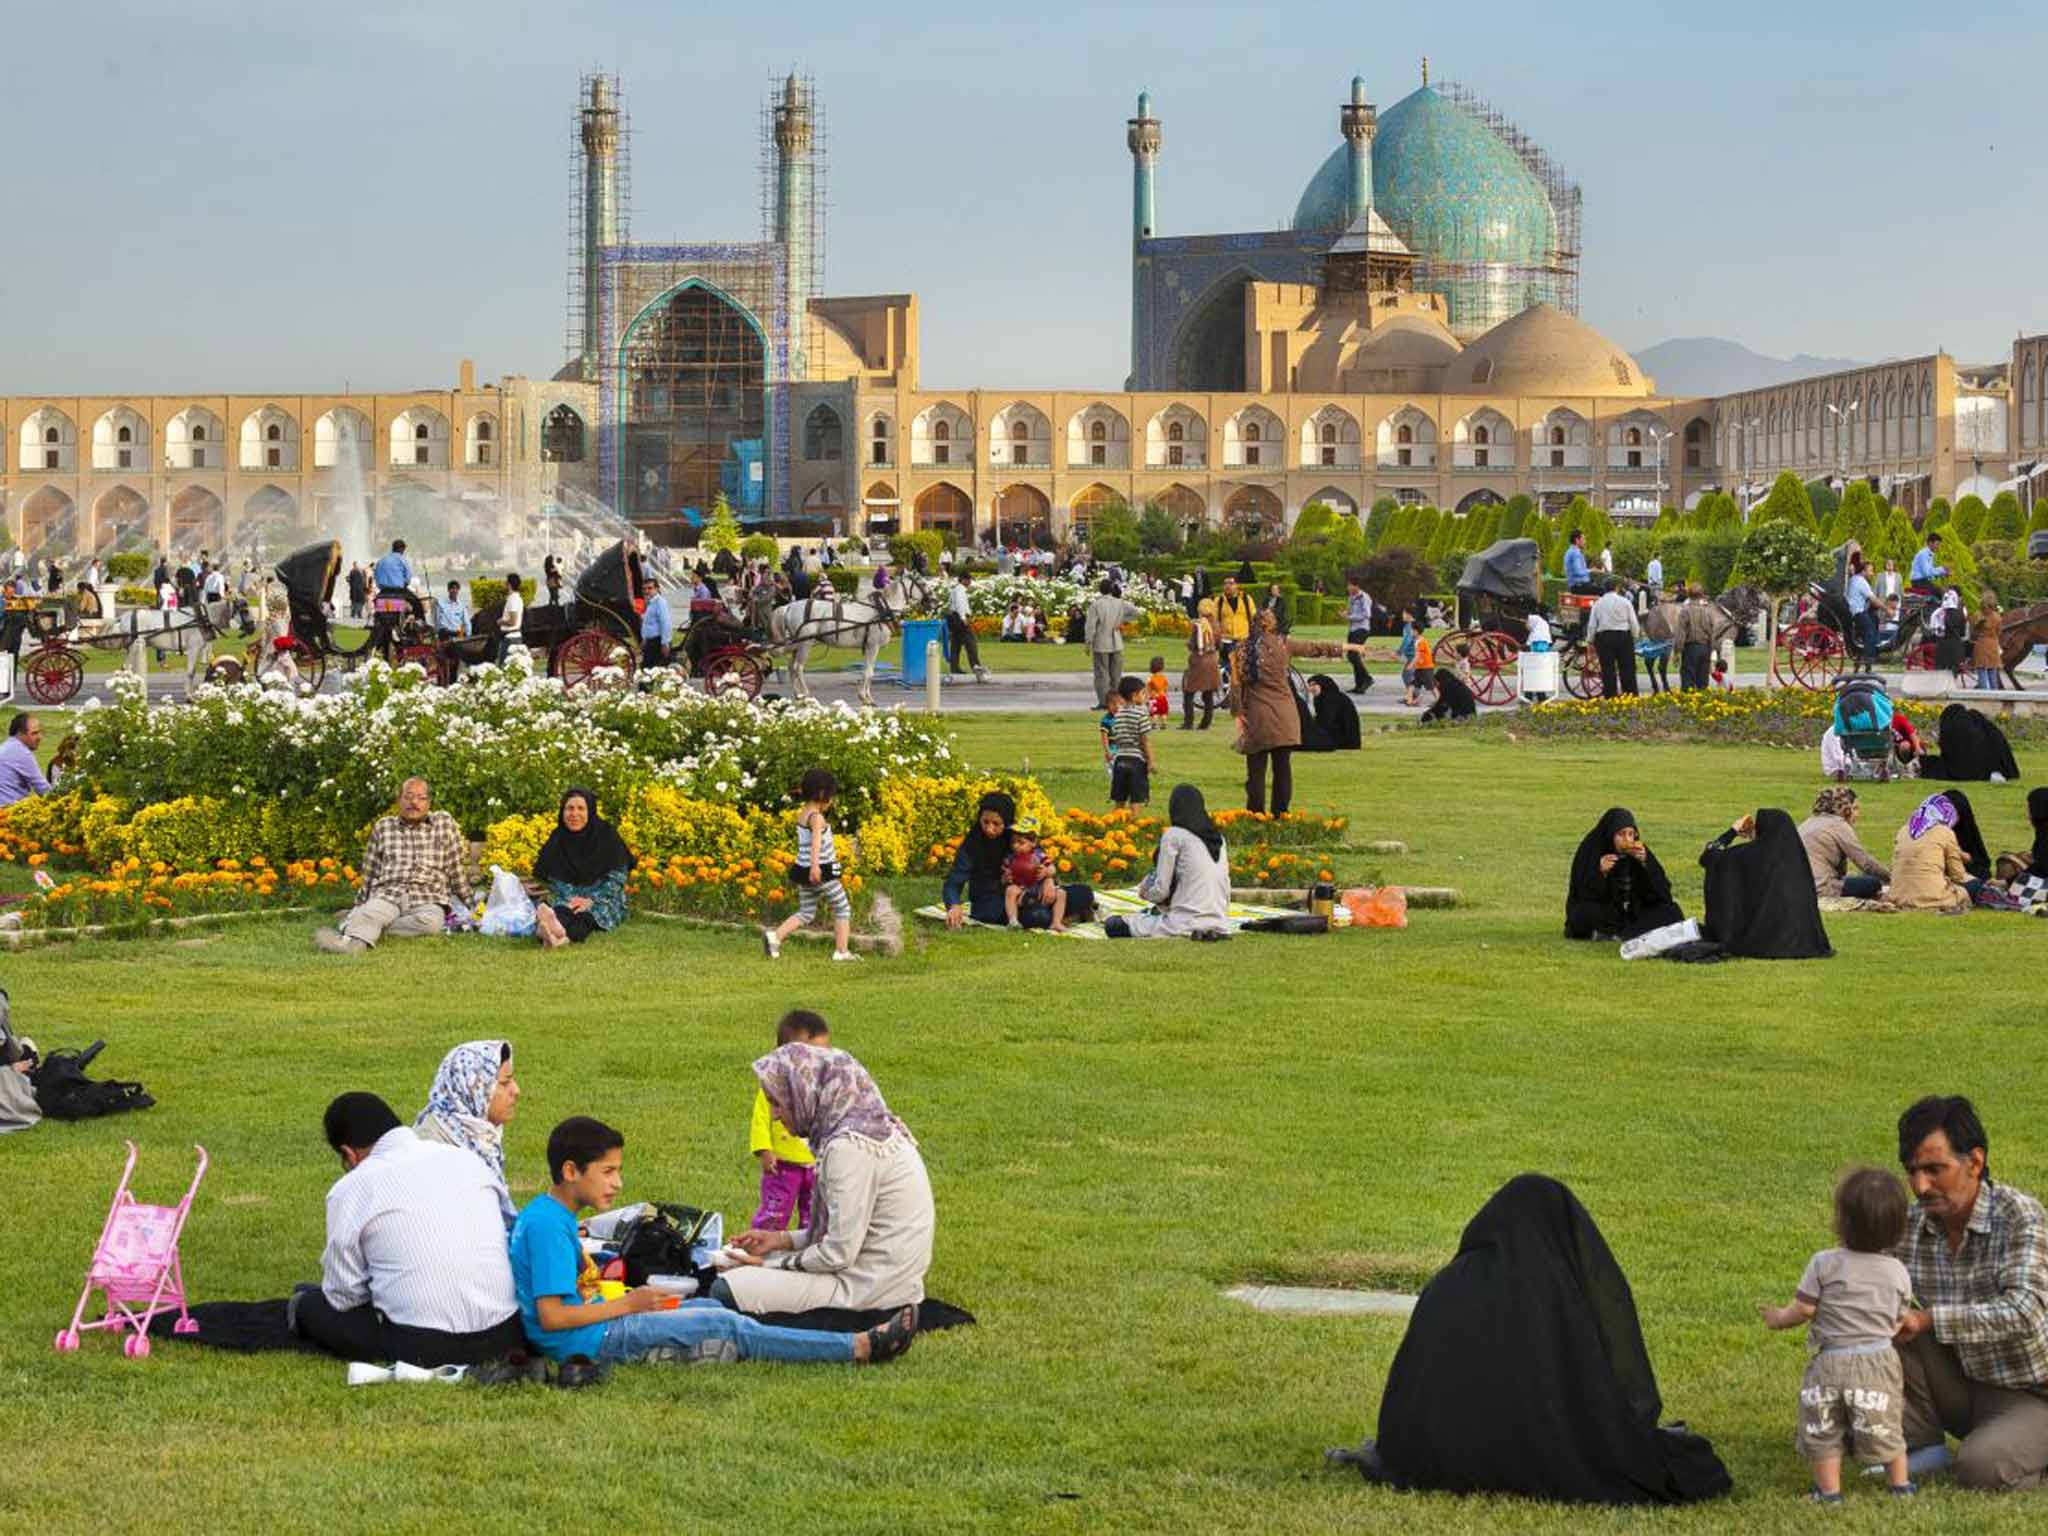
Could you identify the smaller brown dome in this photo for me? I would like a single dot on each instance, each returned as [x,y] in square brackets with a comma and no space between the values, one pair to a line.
[1544,351]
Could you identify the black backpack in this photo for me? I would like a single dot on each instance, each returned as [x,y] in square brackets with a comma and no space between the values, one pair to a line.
[64,1092]
[659,1244]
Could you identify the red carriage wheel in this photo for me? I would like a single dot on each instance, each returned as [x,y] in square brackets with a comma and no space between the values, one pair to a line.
[1490,658]
[1813,654]
[585,654]
[54,674]
[1579,669]
[428,655]
[734,669]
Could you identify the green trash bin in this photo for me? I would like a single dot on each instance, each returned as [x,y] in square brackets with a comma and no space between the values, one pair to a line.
[917,634]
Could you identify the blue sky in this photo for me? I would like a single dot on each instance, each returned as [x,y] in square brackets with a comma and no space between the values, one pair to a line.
[216,196]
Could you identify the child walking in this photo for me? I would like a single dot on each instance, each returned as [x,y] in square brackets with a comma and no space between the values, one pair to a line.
[815,874]
[1852,1298]
[1157,688]
[1107,724]
[1130,745]
[789,1174]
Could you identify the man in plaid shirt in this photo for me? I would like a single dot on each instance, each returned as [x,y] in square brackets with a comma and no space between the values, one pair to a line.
[1975,1351]
[412,874]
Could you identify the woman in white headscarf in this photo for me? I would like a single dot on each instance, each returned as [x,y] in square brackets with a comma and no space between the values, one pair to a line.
[870,1238]
[473,1098]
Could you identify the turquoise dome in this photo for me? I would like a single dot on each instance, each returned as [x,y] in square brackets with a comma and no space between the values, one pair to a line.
[1449,186]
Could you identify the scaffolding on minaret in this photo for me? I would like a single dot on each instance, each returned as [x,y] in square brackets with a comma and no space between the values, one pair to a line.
[600,209]
[793,203]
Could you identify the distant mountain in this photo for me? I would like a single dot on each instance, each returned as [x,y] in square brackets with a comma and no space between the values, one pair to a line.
[1708,365]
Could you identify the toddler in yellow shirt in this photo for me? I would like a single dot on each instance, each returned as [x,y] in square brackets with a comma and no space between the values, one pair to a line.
[789,1174]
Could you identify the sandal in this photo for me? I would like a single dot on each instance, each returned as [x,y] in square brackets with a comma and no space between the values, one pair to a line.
[893,1337]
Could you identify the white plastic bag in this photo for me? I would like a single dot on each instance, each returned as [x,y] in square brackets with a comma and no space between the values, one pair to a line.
[508,914]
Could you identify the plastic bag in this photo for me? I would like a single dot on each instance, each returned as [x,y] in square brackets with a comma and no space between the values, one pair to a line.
[1383,906]
[508,914]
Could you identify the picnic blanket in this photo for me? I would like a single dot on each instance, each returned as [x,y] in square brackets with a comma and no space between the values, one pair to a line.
[1855,904]
[1118,903]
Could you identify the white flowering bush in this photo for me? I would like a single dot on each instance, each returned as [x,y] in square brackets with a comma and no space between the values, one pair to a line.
[991,596]
[504,742]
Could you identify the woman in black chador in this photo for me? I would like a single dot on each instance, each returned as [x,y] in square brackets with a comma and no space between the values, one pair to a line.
[1523,1372]
[1618,888]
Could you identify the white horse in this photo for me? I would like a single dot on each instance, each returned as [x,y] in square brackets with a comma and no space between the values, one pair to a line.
[188,631]
[848,621]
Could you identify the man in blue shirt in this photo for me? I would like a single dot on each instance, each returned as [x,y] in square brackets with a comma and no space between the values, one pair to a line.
[451,614]
[1925,571]
[657,631]
[393,578]
[1578,576]
[1862,600]
[20,774]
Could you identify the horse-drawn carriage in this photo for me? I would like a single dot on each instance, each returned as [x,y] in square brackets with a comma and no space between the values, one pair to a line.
[53,670]
[1813,650]
[594,638]
[308,641]
[65,626]
[1501,586]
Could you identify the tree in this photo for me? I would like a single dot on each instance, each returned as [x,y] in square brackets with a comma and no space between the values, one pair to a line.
[1820,495]
[1968,521]
[1938,516]
[1787,502]
[1779,557]
[2039,521]
[1113,534]
[1514,522]
[1324,547]
[1857,518]
[1900,541]
[1376,521]
[1158,530]
[722,533]
[2004,520]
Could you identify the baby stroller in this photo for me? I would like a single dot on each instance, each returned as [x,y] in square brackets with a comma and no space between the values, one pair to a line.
[1863,726]
[136,1264]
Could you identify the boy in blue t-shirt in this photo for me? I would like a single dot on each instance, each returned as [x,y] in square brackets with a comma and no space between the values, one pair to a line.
[558,1292]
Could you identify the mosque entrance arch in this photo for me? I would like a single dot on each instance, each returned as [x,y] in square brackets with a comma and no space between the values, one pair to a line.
[693,376]
[1023,516]
[1256,513]
[1480,498]
[120,520]
[944,508]
[1208,351]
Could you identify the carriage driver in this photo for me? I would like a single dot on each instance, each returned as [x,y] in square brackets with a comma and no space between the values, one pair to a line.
[393,576]
[1927,571]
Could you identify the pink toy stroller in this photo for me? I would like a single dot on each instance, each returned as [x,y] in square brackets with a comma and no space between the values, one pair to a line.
[136,1264]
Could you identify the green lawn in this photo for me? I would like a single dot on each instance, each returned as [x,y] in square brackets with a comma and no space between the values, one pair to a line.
[1114,1133]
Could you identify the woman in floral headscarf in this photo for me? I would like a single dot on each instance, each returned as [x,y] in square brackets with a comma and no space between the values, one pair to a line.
[1841,865]
[870,1238]
[473,1098]
[1929,871]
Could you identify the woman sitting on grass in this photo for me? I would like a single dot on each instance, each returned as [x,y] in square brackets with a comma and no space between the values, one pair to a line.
[472,1101]
[584,864]
[1618,889]
[869,1239]
[1760,897]
[974,885]
[1930,864]
[1189,886]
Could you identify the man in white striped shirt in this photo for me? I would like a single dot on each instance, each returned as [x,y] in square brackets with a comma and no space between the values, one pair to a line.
[416,1267]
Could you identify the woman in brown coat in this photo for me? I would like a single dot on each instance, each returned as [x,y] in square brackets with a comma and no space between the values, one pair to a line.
[1268,722]
[1203,675]
[1985,653]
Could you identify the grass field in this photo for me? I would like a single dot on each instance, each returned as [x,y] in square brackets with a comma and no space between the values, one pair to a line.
[1114,1133]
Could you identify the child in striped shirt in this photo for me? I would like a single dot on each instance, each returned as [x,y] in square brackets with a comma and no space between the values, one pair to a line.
[1130,745]
[815,874]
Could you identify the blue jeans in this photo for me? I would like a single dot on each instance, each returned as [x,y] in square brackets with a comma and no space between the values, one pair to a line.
[702,1332]
[1987,678]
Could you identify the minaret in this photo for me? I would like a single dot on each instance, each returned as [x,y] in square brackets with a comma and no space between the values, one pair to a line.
[1359,122]
[1144,140]
[600,208]
[792,212]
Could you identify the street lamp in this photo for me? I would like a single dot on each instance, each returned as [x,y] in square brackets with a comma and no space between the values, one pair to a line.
[1842,440]
[1660,439]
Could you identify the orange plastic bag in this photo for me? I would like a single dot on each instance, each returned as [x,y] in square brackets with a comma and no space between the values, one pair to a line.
[1377,906]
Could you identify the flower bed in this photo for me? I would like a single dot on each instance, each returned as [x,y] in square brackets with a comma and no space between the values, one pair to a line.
[132,893]
[991,596]
[1115,848]
[317,770]
[1783,717]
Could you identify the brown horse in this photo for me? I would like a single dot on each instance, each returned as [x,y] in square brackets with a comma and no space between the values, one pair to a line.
[2019,632]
